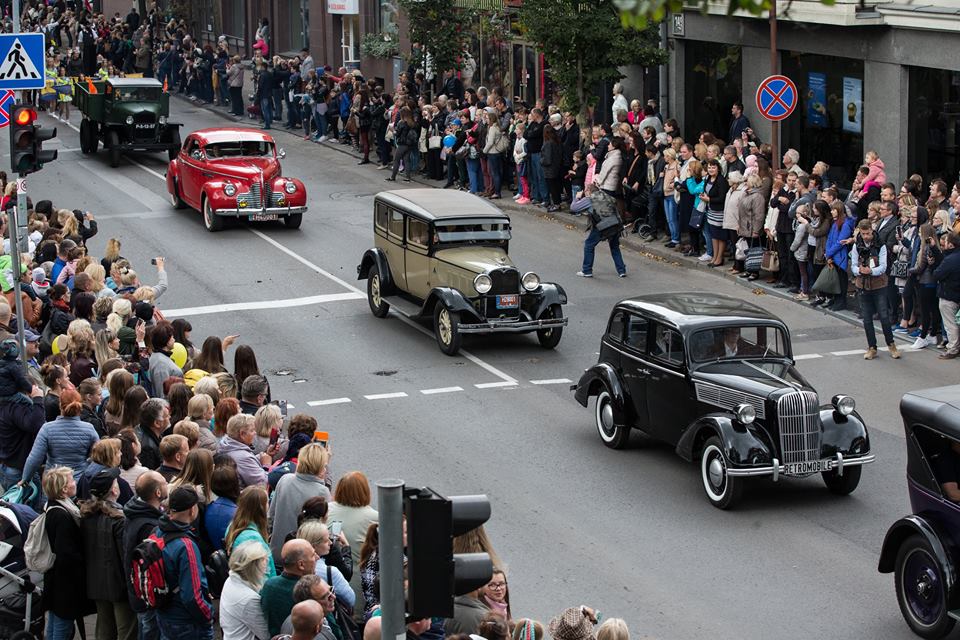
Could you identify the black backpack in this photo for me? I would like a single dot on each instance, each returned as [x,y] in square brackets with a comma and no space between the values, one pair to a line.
[217,569]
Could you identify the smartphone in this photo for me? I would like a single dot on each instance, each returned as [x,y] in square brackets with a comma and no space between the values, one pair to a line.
[153,261]
[274,436]
[335,528]
[322,437]
[283,406]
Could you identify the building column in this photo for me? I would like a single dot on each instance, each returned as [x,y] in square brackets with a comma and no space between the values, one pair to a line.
[885,106]
[755,66]
[675,77]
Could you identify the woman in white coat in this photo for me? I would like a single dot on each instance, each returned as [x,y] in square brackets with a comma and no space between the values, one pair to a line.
[240,615]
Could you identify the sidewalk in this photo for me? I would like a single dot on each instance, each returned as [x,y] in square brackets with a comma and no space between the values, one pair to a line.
[651,250]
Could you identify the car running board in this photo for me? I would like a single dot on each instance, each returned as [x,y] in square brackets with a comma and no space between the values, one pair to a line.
[404,306]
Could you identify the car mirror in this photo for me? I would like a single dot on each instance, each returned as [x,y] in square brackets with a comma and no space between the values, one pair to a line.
[281,154]
[197,155]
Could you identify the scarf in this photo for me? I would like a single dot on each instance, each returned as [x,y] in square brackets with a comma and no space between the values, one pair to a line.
[61,304]
[71,508]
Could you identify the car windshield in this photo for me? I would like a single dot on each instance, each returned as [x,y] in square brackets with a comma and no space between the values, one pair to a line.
[137,94]
[478,230]
[235,149]
[738,342]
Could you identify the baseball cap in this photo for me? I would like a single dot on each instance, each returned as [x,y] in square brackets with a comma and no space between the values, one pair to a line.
[31,336]
[182,498]
[102,482]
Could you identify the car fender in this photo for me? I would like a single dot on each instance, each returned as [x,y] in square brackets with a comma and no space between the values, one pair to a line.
[376,256]
[213,191]
[173,174]
[548,294]
[295,199]
[844,433]
[452,299]
[743,445]
[930,531]
[599,376]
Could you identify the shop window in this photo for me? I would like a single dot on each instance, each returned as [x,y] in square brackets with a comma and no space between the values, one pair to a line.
[350,40]
[934,136]
[713,79]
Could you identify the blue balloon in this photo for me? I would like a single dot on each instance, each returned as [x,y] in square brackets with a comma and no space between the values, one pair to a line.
[449,140]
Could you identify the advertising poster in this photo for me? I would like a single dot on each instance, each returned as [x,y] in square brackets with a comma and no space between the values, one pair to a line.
[852,105]
[816,99]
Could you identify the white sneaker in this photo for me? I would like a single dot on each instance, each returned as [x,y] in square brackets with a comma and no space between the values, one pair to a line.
[920,343]
[518,196]
[705,258]
[584,275]
[322,139]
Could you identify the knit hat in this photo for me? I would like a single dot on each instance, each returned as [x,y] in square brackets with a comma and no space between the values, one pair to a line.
[144,311]
[128,341]
[9,350]
[101,483]
[297,442]
[182,499]
[572,624]
[751,162]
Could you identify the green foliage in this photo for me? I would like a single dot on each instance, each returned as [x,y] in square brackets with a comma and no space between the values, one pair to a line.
[380,45]
[584,44]
[639,14]
[440,31]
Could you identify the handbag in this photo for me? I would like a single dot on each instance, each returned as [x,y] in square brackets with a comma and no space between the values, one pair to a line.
[770,261]
[343,615]
[741,249]
[352,127]
[828,282]
[657,190]
[435,142]
[754,259]
[696,219]
[900,268]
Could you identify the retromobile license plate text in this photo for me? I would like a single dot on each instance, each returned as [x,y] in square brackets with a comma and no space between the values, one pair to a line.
[261,217]
[507,302]
[803,468]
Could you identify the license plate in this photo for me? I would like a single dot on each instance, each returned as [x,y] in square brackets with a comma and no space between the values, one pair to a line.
[806,468]
[263,217]
[508,302]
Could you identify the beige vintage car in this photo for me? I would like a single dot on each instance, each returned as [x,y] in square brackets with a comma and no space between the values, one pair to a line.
[443,255]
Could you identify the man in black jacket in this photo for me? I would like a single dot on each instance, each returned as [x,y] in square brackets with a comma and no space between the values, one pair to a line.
[947,276]
[887,235]
[452,86]
[142,513]
[782,200]
[19,424]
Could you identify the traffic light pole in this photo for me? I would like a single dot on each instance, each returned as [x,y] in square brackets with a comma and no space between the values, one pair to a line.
[392,601]
[13,225]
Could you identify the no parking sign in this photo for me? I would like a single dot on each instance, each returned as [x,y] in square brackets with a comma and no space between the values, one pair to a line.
[776,98]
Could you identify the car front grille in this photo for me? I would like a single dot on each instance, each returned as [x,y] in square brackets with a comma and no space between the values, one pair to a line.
[144,117]
[252,198]
[729,398]
[278,199]
[505,280]
[798,416]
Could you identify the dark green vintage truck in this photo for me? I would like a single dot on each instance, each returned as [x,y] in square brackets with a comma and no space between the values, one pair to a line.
[126,114]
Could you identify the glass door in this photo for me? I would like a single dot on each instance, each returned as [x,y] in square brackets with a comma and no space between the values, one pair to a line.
[349,41]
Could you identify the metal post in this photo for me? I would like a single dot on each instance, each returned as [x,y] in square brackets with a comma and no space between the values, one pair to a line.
[15,11]
[392,601]
[664,96]
[774,126]
[13,224]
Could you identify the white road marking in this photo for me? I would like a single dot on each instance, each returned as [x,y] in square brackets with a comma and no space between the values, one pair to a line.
[322,403]
[851,352]
[430,392]
[807,356]
[262,304]
[386,396]
[141,194]
[136,214]
[147,169]
[552,381]
[494,385]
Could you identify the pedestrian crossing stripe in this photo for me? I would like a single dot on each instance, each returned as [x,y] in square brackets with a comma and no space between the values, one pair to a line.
[17,65]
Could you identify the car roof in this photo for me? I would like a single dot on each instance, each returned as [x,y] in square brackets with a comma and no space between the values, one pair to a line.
[231,134]
[134,82]
[698,309]
[437,204]
[937,408]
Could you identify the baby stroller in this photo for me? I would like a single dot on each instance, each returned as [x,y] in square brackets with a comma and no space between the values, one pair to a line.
[21,616]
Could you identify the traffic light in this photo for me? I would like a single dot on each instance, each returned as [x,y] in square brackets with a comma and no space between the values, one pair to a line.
[435,575]
[26,141]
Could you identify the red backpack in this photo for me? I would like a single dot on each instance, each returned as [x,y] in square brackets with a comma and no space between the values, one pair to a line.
[147,573]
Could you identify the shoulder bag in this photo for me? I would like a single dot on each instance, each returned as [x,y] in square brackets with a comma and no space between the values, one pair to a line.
[900,268]
[771,260]
[828,282]
[754,258]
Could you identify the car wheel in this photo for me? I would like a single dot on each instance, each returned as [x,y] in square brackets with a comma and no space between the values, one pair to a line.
[113,146]
[175,198]
[550,338]
[174,149]
[921,590]
[446,327]
[722,490]
[293,220]
[211,221]
[613,435]
[379,308]
[845,484]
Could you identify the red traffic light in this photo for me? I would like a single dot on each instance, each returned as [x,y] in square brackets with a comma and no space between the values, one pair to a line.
[24,116]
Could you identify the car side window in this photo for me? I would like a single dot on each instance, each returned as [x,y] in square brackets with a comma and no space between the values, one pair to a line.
[380,219]
[417,232]
[396,225]
[615,332]
[637,329]
[667,345]
[193,149]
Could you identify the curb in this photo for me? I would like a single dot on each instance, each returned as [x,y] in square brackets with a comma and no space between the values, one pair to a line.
[648,250]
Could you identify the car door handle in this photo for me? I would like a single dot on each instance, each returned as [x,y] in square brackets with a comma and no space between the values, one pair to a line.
[645,372]
[207,175]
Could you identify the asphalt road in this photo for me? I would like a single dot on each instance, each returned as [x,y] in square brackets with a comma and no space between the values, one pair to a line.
[627,531]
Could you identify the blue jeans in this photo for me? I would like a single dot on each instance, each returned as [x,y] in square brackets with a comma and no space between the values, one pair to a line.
[874,301]
[170,630]
[278,100]
[266,108]
[475,175]
[320,123]
[9,476]
[59,628]
[147,624]
[414,158]
[495,164]
[538,182]
[589,246]
[673,218]
[708,236]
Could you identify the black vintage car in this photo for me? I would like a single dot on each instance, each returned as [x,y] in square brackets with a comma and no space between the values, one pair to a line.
[714,377]
[922,550]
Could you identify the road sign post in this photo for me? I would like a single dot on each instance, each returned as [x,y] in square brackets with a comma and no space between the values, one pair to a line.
[776,99]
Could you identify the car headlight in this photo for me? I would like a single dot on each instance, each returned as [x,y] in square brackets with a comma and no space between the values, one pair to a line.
[290,187]
[530,281]
[230,190]
[746,413]
[129,120]
[482,283]
[162,119]
[844,405]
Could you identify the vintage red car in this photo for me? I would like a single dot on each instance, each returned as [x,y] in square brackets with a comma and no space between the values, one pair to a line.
[234,173]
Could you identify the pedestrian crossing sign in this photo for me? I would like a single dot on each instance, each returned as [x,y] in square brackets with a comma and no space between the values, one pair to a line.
[22,62]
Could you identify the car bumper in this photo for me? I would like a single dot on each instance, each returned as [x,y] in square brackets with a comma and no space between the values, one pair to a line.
[268,211]
[512,327]
[839,463]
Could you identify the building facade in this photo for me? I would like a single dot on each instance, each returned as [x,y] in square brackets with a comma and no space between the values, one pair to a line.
[884,76]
